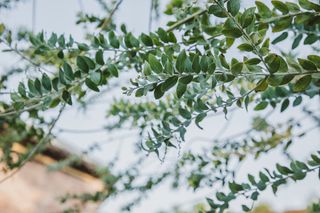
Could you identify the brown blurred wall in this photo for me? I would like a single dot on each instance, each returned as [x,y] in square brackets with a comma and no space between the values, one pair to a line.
[34,189]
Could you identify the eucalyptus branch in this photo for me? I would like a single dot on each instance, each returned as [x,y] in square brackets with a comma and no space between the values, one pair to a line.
[10,113]
[297,171]
[245,34]
[212,108]
[289,15]
[15,50]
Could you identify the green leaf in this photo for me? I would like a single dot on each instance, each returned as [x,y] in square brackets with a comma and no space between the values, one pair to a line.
[146,40]
[245,208]
[2,28]
[46,82]
[17,105]
[279,5]
[232,33]
[252,61]
[146,69]
[308,5]
[113,70]
[96,77]
[60,54]
[127,41]
[61,41]
[186,79]
[211,203]
[254,195]
[302,165]
[263,9]
[280,38]
[158,92]
[37,85]
[273,62]
[283,170]
[297,41]
[284,105]
[234,187]
[163,35]
[236,66]
[204,63]
[55,102]
[246,102]
[91,85]
[217,11]
[67,97]
[282,24]
[211,65]
[307,65]
[62,77]
[140,92]
[155,64]
[185,113]
[302,84]
[68,71]
[310,39]
[233,7]
[264,178]
[196,64]
[82,65]
[261,106]
[293,7]
[262,85]
[181,89]
[83,47]
[245,47]
[315,158]
[297,101]
[200,118]
[99,57]
[180,63]
[134,41]
[247,17]
[315,59]
[223,61]
[89,62]
[31,87]
[171,37]
[22,90]
[114,42]
[261,185]
[221,196]
[55,83]
[169,83]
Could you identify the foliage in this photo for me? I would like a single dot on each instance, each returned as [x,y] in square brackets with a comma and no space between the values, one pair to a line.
[182,75]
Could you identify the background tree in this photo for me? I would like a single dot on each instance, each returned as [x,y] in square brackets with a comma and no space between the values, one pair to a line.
[213,57]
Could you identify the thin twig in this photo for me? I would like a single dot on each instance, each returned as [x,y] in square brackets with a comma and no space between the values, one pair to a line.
[9,113]
[81,131]
[108,19]
[150,15]
[15,50]
[34,15]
